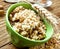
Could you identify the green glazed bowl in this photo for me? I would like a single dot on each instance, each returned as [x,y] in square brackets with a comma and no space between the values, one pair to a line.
[17,39]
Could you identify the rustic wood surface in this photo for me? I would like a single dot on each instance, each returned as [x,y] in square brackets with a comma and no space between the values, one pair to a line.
[4,37]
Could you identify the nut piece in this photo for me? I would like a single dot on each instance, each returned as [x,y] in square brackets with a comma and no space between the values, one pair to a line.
[16,17]
[15,28]
[10,17]
[1,7]
[24,33]
[18,9]
[1,12]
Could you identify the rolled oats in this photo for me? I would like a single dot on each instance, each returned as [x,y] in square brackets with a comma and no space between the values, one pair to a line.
[27,23]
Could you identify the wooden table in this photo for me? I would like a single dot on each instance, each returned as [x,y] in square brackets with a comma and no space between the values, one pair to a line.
[4,37]
[55,8]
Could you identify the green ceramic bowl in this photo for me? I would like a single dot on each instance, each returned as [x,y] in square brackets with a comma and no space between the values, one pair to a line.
[17,39]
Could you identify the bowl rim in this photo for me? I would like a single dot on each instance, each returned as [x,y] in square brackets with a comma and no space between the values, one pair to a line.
[7,21]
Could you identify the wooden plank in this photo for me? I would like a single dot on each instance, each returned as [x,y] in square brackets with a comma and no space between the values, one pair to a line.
[4,37]
[9,46]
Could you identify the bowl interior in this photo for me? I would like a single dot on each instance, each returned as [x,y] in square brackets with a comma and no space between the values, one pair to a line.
[49,27]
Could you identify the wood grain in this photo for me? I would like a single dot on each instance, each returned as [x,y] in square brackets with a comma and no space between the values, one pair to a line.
[4,37]
[55,8]
[8,46]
